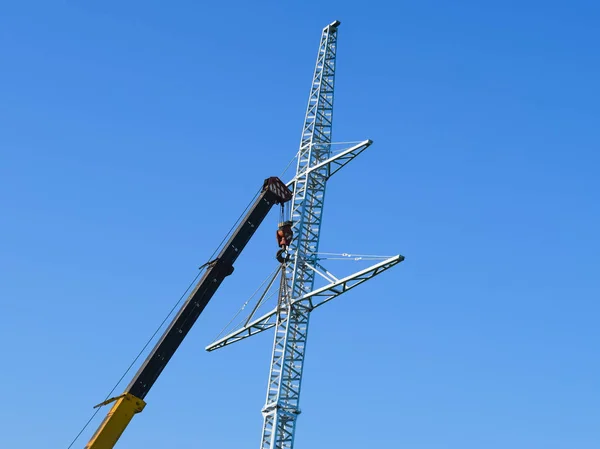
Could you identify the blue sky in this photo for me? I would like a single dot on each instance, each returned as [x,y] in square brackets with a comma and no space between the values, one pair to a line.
[132,134]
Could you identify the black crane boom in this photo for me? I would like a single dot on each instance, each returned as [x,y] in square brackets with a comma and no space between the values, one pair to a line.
[274,191]
[216,272]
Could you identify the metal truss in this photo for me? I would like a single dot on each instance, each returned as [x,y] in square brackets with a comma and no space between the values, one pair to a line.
[335,163]
[287,361]
[297,296]
[309,301]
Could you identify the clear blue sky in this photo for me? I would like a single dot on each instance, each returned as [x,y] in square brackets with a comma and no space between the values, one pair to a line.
[132,134]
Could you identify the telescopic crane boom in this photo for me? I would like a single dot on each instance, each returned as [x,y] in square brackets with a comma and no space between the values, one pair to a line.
[274,191]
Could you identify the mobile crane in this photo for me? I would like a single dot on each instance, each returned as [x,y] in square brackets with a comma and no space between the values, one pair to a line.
[125,406]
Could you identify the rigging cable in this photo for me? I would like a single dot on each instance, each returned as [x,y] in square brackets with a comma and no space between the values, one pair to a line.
[271,275]
[164,321]
[235,224]
[134,360]
[347,256]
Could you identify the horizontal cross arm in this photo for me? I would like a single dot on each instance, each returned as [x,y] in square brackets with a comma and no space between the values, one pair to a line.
[325,294]
[310,300]
[336,162]
[263,323]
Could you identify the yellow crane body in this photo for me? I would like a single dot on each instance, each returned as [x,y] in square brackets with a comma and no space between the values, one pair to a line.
[116,421]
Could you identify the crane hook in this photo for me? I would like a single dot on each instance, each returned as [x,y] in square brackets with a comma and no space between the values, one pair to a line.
[282,256]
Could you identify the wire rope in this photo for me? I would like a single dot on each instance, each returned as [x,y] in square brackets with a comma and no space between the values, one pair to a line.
[134,360]
[163,322]
[272,274]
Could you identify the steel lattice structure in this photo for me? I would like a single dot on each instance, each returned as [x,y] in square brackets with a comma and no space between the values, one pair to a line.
[297,296]
[287,362]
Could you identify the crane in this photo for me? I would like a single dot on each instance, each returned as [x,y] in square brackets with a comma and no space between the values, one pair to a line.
[131,402]
[298,238]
